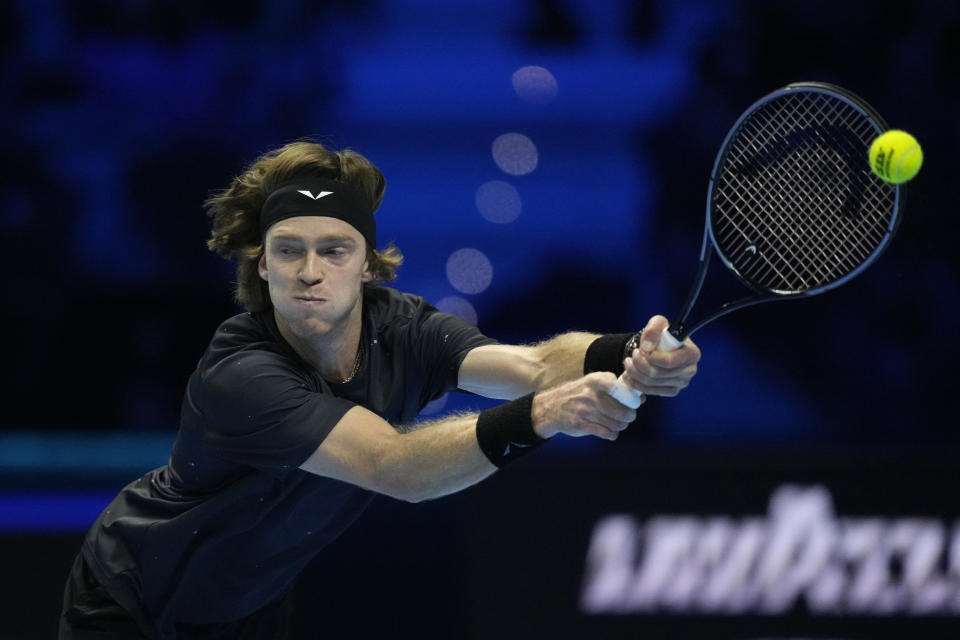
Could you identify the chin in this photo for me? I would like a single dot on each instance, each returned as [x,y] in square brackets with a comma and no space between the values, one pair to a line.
[311,325]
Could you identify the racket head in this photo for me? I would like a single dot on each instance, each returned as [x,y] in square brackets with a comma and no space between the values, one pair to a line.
[792,207]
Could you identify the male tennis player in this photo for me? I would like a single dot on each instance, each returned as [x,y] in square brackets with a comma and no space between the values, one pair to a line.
[294,417]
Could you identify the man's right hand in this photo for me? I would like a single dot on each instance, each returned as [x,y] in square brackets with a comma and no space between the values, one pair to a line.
[582,407]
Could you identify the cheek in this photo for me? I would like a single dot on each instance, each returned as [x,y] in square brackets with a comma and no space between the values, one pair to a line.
[276,278]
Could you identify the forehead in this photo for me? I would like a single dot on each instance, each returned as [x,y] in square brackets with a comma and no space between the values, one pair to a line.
[314,228]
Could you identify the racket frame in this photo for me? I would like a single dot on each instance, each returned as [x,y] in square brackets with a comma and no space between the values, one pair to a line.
[673,338]
[679,328]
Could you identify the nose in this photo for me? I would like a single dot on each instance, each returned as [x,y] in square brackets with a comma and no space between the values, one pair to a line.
[311,270]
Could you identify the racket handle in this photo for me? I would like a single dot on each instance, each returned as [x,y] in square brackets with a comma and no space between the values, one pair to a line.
[627,395]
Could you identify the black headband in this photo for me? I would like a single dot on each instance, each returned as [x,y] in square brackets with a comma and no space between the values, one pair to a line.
[320,197]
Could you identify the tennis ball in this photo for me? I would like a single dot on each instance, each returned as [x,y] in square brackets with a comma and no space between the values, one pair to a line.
[895,156]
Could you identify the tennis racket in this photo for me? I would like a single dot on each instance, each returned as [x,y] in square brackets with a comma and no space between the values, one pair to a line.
[793,209]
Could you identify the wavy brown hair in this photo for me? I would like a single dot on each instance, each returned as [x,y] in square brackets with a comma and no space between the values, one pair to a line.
[236,210]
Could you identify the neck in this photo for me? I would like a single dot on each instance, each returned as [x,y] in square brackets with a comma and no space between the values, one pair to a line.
[333,354]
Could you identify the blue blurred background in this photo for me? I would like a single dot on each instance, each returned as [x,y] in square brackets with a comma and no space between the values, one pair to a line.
[546,166]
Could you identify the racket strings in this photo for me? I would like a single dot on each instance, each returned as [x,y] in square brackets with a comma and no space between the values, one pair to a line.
[820,189]
[777,258]
[791,237]
[794,206]
[817,190]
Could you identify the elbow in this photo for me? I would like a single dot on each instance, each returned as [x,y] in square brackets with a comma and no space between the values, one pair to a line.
[400,489]
[397,487]
[412,498]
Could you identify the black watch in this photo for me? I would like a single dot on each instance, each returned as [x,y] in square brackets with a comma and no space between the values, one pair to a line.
[632,343]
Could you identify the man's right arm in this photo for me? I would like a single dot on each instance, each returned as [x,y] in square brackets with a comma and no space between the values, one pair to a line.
[445,456]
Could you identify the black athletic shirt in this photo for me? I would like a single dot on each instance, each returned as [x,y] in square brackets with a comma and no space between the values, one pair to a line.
[224,528]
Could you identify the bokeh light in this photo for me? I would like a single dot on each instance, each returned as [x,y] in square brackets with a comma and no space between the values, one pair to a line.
[469,271]
[534,84]
[457,306]
[515,153]
[498,201]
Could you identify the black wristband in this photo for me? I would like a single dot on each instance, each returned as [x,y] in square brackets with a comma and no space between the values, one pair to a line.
[506,432]
[606,353]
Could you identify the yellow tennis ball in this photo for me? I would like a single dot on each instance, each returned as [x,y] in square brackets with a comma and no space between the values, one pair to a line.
[895,156]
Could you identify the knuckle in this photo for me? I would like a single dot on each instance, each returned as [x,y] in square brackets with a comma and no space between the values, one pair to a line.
[637,382]
[602,378]
[642,375]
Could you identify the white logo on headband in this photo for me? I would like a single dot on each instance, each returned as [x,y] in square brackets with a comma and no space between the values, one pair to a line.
[315,197]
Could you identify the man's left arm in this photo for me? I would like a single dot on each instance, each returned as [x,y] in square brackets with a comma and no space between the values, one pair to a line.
[507,371]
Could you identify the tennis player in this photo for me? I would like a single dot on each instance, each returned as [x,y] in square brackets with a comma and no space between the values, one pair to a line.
[299,411]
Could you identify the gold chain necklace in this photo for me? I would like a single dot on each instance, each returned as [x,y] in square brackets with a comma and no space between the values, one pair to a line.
[356,367]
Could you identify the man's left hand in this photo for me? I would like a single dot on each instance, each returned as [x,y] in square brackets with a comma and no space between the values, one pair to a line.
[656,372]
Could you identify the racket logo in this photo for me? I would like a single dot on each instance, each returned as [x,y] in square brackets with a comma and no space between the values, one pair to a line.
[314,197]
[752,250]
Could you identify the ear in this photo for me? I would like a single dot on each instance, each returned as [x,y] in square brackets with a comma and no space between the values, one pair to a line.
[367,273]
[262,266]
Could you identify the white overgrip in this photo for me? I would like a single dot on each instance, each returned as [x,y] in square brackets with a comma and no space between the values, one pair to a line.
[627,395]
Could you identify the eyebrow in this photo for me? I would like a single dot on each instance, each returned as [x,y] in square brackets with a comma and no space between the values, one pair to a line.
[323,239]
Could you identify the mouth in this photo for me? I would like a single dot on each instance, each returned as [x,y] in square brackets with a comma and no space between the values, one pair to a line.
[309,299]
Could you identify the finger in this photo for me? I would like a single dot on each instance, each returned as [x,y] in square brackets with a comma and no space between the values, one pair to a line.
[599,431]
[592,406]
[609,406]
[639,382]
[640,369]
[670,360]
[615,424]
[601,381]
[661,389]
[663,392]
[674,359]
[650,336]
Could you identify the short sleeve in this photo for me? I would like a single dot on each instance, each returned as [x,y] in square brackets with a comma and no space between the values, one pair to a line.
[262,411]
[443,341]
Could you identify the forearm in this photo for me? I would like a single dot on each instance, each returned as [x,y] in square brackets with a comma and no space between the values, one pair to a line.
[507,372]
[452,454]
[435,459]
[561,358]
[448,455]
